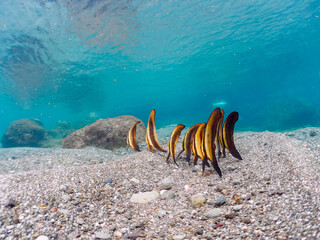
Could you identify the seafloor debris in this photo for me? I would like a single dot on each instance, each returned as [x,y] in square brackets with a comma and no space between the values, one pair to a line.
[201,139]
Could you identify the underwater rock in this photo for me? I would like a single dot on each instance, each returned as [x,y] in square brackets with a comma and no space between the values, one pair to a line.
[110,133]
[62,130]
[54,137]
[24,133]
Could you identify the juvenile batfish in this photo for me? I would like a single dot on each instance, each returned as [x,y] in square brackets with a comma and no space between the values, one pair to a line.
[131,138]
[193,150]
[228,129]
[198,144]
[210,136]
[220,137]
[187,143]
[151,136]
[198,141]
[173,141]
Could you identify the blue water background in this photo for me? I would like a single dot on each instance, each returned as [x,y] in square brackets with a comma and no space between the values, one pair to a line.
[69,60]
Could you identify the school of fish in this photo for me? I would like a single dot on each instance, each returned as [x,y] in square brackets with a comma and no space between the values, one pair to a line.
[202,140]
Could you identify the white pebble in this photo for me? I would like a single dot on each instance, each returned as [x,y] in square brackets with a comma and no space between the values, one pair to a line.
[42,237]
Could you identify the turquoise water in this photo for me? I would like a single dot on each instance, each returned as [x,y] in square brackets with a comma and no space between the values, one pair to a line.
[69,60]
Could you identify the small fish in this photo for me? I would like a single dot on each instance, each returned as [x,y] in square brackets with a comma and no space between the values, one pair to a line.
[193,150]
[131,138]
[210,136]
[187,142]
[198,141]
[220,137]
[173,141]
[219,103]
[227,132]
[151,136]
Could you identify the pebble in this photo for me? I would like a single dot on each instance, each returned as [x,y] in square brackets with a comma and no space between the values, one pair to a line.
[198,200]
[135,180]
[231,215]
[108,181]
[42,237]
[279,192]
[161,213]
[224,191]
[65,198]
[79,220]
[167,195]
[102,235]
[15,220]
[65,212]
[219,224]
[166,184]
[144,197]
[117,234]
[237,207]
[10,203]
[192,180]
[10,227]
[212,213]
[220,201]
[246,220]
[112,228]
[312,134]
[199,231]
[219,188]
[178,237]
[137,234]
[125,182]
[53,209]
[79,209]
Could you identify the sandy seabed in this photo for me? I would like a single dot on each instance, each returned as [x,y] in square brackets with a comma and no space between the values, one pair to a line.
[274,193]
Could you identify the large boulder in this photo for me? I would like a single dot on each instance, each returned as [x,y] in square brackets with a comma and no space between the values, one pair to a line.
[24,133]
[110,133]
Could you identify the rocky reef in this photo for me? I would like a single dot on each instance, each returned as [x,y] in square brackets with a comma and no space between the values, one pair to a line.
[107,133]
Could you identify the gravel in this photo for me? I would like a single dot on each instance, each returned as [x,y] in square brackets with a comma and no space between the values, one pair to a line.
[273,193]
